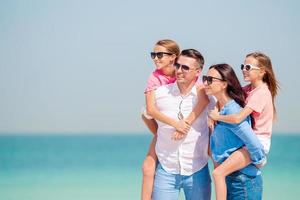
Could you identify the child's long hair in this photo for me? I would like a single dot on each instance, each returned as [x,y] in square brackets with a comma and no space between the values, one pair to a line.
[269,78]
[170,45]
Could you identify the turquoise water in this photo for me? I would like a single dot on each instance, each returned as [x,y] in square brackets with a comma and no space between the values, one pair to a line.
[108,167]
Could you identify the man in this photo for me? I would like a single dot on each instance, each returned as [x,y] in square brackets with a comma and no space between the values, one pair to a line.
[182,163]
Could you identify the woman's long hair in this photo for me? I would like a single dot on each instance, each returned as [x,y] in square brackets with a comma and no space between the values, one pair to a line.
[234,88]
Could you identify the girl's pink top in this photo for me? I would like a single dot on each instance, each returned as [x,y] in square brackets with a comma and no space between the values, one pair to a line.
[260,101]
[157,79]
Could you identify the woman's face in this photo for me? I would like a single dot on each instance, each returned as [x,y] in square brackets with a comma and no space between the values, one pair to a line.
[214,85]
[166,59]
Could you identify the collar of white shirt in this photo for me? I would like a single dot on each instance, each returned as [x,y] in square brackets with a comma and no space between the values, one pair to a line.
[176,91]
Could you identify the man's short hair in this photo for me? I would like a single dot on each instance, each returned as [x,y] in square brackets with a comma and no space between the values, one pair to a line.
[193,53]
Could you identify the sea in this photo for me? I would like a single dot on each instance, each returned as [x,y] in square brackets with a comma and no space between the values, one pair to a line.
[108,166]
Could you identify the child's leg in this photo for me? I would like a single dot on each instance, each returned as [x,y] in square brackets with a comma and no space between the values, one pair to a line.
[236,161]
[149,166]
[151,124]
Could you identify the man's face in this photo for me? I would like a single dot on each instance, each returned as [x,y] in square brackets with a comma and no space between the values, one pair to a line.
[187,70]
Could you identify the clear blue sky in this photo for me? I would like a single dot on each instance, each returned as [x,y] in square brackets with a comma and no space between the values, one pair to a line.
[81,66]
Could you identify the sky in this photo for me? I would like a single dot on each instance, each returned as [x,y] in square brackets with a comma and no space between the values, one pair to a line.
[81,66]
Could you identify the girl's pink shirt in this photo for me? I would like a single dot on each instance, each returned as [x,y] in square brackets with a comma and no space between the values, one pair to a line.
[260,101]
[157,79]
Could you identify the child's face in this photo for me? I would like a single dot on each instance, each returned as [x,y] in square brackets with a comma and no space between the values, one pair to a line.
[165,60]
[253,74]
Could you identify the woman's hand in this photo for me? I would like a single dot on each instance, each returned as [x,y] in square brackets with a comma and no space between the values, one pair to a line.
[214,114]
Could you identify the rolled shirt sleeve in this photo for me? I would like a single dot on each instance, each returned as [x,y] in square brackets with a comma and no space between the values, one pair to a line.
[244,131]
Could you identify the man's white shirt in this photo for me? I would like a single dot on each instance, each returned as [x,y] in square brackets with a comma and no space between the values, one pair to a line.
[190,154]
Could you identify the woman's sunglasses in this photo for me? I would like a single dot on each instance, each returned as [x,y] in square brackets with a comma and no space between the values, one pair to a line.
[248,67]
[209,79]
[159,55]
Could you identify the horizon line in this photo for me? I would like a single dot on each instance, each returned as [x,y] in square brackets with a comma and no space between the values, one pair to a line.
[45,133]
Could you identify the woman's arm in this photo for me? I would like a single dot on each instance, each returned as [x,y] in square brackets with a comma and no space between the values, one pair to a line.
[234,118]
[156,114]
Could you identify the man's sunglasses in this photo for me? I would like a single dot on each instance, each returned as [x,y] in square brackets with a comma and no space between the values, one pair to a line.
[209,79]
[183,67]
[159,55]
[248,67]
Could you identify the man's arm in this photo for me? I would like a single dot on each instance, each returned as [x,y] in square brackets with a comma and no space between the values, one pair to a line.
[151,124]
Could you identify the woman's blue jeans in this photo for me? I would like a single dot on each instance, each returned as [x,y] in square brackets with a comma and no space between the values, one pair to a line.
[167,186]
[244,187]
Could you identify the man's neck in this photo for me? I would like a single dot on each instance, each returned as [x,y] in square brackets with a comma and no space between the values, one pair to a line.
[185,88]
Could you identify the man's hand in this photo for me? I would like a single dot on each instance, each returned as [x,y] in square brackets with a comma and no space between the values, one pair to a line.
[178,135]
[211,125]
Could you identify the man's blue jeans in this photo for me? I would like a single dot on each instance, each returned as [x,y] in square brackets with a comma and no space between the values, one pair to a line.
[244,187]
[167,186]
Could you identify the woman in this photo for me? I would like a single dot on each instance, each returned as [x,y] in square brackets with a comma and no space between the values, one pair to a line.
[260,104]
[222,82]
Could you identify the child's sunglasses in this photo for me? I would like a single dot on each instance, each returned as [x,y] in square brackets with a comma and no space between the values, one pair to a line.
[248,67]
[159,55]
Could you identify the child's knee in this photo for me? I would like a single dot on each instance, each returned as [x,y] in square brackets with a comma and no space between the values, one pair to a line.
[217,174]
[148,167]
